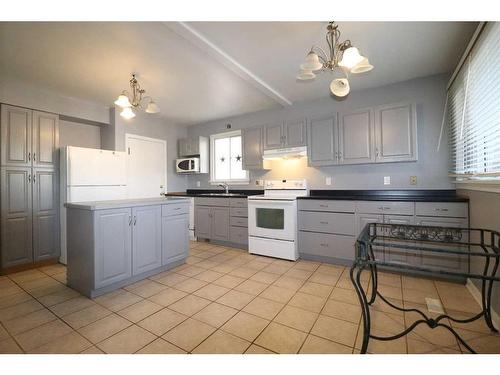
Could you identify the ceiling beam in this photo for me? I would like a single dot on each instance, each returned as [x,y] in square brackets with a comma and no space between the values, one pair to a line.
[198,39]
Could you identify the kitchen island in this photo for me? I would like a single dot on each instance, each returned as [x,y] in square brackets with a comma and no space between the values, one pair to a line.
[115,243]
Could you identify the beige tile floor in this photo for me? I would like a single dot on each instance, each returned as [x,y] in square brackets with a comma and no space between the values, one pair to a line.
[227,301]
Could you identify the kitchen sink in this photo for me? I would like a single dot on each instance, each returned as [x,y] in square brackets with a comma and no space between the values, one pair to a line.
[222,195]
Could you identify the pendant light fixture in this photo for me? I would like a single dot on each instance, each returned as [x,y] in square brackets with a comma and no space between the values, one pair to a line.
[132,101]
[342,56]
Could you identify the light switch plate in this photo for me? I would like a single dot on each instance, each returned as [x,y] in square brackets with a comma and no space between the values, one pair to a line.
[387,180]
[198,183]
[328,181]
[413,180]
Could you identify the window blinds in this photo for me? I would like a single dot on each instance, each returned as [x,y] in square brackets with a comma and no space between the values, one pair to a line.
[474,110]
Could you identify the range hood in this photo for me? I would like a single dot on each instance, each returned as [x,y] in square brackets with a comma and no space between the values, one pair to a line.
[285,153]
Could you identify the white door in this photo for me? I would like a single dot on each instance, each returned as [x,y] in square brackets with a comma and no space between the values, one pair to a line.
[147,166]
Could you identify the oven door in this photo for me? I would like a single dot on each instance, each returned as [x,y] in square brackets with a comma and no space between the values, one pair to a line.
[274,219]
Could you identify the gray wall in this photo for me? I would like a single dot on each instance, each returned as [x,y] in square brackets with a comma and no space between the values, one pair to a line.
[113,138]
[431,167]
[78,134]
[484,210]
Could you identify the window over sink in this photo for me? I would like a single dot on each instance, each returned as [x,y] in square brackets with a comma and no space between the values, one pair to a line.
[226,159]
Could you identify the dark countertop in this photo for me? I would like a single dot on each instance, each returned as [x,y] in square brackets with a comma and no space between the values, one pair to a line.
[388,195]
[203,192]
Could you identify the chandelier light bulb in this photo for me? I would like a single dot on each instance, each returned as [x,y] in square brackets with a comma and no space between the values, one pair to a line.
[305,75]
[311,62]
[350,58]
[152,107]
[340,87]
[362,67]
[127,113]
[123,101]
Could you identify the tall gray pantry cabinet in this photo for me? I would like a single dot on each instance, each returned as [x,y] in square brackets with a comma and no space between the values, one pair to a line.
[29,230]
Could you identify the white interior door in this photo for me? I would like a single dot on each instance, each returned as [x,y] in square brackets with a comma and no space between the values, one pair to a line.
[147,166]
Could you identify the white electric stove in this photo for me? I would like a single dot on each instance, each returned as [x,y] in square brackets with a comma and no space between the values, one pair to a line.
[272,219]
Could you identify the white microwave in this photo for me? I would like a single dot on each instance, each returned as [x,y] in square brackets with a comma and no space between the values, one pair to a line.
[188,165]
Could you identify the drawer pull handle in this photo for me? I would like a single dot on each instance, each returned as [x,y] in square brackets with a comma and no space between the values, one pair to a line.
[381,208]
[324,222]
[177,208]
[324,244]
[323,205]
[442,209]
[387,208]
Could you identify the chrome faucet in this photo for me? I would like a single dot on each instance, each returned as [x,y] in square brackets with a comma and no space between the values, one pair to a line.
[225,186]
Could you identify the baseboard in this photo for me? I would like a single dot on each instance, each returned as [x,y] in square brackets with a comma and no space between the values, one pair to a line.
[476,293]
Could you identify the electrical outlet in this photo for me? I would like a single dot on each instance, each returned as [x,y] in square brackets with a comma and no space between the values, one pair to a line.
[413,180]
[387,180]
[198,183]
[259,182]
[328,181]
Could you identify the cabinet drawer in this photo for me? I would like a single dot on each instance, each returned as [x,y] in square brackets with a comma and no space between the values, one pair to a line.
[327,205]
[238,202]
[221,202]
[239,212]
[327,245]
[389,208]
[327,222]
[441,209]
[239,221]
[238,235]
[174,209]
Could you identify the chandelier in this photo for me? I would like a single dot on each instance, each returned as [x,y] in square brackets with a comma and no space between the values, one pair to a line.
[342,57]
[133,100]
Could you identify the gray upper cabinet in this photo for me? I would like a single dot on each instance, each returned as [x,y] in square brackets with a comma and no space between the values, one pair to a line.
[356,137]
[273,136]
[252,148]
[146,236]
[322,141]
[295,133]
[45,214]
[396,133]
[175,238]
[16,223]
[45,139]
[285,134]
[16,132]
[113,246]
[189,147]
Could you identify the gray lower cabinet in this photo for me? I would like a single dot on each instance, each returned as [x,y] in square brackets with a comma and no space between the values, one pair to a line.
[252,148]
[322,142]
[175,245]
[17,216]
[393,254]
[146,235]
[46,242]
[222,219]
[113,246]
[361,221]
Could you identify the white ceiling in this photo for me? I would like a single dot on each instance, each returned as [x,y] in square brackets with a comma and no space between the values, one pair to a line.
[203,71]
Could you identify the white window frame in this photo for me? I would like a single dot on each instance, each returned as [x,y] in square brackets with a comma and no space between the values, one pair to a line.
[213,181]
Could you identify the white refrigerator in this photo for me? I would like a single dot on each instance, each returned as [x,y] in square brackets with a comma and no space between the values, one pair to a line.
[89,174]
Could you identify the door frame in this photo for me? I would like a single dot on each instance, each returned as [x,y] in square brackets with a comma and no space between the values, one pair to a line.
[129,136]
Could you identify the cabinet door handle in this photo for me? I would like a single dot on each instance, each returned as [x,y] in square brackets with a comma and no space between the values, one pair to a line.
[129,220]
[135,220]
[340,155]
[34,178]
[34,156]
[29,156]
[29,178]
[376,152]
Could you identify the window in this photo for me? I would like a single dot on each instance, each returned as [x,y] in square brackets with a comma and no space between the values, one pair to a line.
[473,111]
[226,158]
